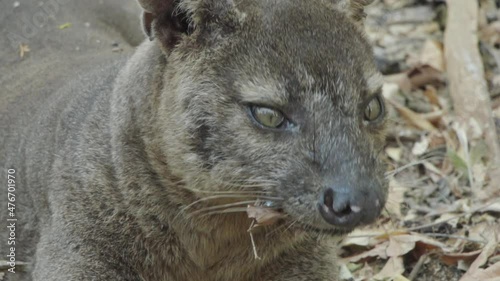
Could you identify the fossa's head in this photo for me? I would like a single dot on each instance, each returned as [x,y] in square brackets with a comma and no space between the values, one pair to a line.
[277,97]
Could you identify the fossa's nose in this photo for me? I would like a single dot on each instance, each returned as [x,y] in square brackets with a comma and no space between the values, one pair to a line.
[347,208]
[340,208]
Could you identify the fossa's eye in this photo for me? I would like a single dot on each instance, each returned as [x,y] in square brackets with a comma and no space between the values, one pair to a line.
[268,117]
[374,110]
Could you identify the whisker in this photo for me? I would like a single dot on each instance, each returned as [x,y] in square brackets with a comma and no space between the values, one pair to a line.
[255,181]
[247,184]
[256,197]
[286,226]
[294,222]
[227,211]
[236,192]
[230,196]
[237,179]
[222,206]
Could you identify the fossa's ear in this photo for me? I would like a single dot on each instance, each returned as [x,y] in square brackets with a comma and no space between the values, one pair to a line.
[353,8]
[169,20]
[161,19]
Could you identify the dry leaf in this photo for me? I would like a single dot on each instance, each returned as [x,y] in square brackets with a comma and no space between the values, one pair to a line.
[378,251]
[435,117]
[414,118]
[390,90]
[426,242]
[490,233]
[449,218]
[400,245]
[366,273]
[423,75]
[401,80]
[490,33]
[262,215]
[23,49]
[421,146]
[395,198]
[65,25]
[491,273]
[479,174]
[436,140]
[492,190]
[394,267]
[345,273]
[494,207]
[432,168]
[394,153]
[454,258]
[431,93]
[362,237]
[399,278]
[432,55]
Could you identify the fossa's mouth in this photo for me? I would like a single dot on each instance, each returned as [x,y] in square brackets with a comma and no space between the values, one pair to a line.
[268,214]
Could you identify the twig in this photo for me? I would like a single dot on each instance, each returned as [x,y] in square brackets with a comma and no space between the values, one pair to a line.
[455,237]
[418,266]
[414,163]
[468,88]
[452,218]
[256,255]
[435,223]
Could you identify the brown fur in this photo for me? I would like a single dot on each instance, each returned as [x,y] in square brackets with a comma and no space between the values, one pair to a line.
[122,166]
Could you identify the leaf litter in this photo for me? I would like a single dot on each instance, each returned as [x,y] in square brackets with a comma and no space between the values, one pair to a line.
[442,218]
